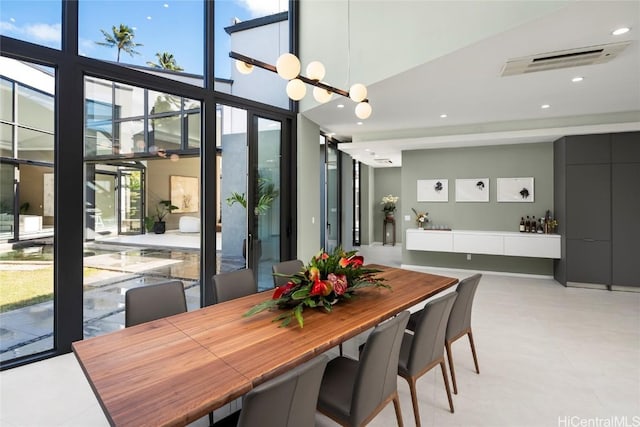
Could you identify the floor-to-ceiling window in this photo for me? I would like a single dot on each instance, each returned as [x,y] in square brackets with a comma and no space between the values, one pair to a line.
[27,189]
[133,141]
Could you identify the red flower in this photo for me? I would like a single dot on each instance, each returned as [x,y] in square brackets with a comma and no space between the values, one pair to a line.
[339,283]
[356,260]
[324,255]
[343,262]
[321,287]
[281,290]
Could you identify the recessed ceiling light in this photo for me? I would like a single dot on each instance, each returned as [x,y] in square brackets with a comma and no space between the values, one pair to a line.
[620,31]
[359,123]
[577,79]
[340,105]
[366,149]
[545,106]
[443,116]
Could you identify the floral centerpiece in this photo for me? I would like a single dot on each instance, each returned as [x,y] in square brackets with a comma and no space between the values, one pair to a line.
[421,218]
[389,204]
[325,281]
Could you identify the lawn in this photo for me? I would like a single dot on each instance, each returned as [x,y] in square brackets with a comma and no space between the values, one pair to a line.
[21,288]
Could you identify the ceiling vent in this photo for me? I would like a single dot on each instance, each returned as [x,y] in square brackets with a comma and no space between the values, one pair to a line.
[564,58]
[383,161]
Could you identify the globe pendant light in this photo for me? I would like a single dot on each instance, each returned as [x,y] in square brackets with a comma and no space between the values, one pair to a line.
[315,70]
[363,110]
[243,67]
[322,95]
[358,92]
[296,89]
[288,66]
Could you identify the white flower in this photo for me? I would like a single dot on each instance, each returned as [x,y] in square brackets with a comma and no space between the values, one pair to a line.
[389,199]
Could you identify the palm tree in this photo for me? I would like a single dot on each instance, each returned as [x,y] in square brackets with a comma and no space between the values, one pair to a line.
[166,61]
[122,38]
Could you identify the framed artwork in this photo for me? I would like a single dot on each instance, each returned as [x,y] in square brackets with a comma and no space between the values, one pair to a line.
[472,190]
[433,190]
[185,194]
[515,190]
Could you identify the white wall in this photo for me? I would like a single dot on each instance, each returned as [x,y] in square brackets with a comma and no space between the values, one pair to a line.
[308,189]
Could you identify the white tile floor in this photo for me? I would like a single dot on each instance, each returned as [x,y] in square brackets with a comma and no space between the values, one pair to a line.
[549,356]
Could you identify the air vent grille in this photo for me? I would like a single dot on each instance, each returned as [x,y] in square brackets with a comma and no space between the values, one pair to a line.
[383,161]
[563,59]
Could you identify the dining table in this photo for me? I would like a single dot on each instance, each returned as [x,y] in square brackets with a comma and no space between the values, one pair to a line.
[175,370]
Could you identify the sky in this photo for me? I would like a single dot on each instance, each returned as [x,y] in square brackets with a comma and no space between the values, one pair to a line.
[174,26]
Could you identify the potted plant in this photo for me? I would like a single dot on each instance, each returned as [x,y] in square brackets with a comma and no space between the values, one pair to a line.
[156,222]
[267,193]
[389,205]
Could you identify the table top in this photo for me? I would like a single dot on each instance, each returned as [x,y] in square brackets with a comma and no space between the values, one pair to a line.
[175,370]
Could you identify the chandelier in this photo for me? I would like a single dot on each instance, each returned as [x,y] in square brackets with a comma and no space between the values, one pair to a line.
[288,67]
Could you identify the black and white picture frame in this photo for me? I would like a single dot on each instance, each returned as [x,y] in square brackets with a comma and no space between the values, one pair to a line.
[515,190]
[433,190]
[472,190]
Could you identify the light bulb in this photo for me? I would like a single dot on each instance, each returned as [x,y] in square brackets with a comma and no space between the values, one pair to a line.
[288,66]
[296,89]
[322,95]
[363,110]
[315,70]
[243,67]
[358,92]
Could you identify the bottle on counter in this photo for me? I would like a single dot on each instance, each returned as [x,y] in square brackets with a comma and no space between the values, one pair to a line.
[532,229]
[527,225]
[522,224]
[540,227]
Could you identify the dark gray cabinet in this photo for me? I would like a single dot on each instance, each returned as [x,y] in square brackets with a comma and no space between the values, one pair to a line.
[597,203]
[588,201]
[625,199]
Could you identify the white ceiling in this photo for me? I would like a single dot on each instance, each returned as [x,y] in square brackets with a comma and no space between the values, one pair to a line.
[484,108]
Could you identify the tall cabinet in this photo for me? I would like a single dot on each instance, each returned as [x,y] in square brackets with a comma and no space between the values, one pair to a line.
[595,203]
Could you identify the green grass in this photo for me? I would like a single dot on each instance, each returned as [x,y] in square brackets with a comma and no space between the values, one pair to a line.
[27,287]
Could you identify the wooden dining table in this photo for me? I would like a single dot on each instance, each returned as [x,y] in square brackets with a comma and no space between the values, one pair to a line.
[177,369]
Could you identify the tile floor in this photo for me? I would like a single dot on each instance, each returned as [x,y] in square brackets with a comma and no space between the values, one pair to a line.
[549,356]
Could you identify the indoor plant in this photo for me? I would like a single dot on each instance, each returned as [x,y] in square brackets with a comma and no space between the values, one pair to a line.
[389,204]
[156,222]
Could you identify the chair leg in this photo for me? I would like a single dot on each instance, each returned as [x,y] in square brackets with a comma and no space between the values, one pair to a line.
[447,346]
[473,350]
[210,419]
[414,399]
[396,405]
[446,385]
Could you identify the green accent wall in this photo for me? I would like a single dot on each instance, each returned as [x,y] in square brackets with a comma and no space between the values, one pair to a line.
[500,161]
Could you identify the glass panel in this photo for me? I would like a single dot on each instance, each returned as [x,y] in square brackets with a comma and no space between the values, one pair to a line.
[26,214]
[34,109]
[143,34]
[7,197]
[333,223]
[267,201]
[166,133]
[259,30]
[104,215]
[233,188]
[163,103]
[35,21]
[6,100]
[34,145]
[129,137]
[193,130]
[131,201]
[6,140]
[129,101]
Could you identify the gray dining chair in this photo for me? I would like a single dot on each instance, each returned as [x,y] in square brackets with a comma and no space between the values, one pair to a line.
[286,401]
[234,284]
[424,349]
[290,267]
[353,392]
[459,323]
[152,302]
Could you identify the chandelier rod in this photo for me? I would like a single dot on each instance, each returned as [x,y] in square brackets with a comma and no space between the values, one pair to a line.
[272,68]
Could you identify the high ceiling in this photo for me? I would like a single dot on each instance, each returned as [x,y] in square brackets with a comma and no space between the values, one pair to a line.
[485,108]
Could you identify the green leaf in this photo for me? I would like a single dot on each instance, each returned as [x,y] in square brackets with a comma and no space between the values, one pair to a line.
[298,313]
[300,294]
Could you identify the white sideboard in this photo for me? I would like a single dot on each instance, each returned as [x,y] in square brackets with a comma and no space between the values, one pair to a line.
[484,242]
